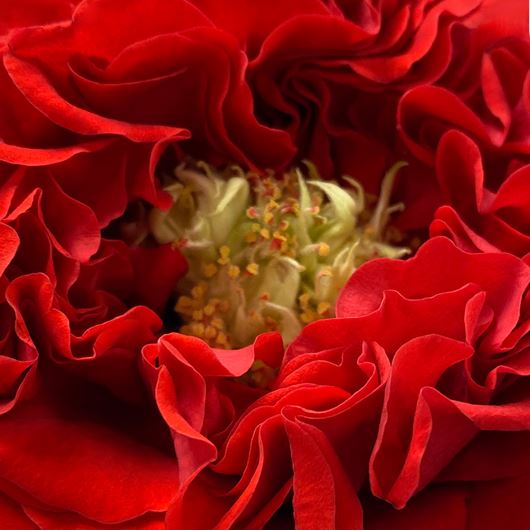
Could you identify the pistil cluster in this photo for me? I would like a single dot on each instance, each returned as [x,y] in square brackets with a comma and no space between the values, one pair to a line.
[268,252]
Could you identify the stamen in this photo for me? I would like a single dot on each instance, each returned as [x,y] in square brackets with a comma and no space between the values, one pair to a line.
[269,252]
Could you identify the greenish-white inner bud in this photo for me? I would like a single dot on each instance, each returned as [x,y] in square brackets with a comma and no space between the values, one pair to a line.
[268,252]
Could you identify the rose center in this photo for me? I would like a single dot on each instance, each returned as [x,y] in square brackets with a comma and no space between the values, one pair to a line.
[268,253]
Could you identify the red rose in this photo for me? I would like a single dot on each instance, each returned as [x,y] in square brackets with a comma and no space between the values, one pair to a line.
[410,409]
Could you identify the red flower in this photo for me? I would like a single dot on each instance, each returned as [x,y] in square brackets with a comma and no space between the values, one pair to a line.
[408,410]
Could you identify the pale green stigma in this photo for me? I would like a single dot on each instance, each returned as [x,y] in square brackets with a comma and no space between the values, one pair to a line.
[268,252]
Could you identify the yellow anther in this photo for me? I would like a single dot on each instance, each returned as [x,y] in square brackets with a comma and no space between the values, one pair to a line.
[209,309]
[197,314]
[268,217]
[209,270]
[323,250]
[217,323]
[197,328]
[198,291]
[253,268]
[272,205]
[210,332]
[308,316]
[278,236]
[304,300]
[265,233]
[224,253]
[221,339]
[323,308]
[255,227]
[184,302]
[234,271]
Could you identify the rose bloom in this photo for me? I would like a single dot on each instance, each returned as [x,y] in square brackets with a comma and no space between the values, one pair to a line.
[408,409]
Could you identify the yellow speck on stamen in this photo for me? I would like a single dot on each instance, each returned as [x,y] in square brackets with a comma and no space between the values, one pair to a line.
[221,339]
[323,249]
[278,236]
[276,193]
[197,314]
[199,290]
[268,217]
[304,300]
[234,271]
[184,302]
[308,316]
[255,227]
[217,323]
[197,329]
[209,309]
[224,252]
[323,308]
[210,332]
[209,270]
[265,233]
[272,205]
[253,268]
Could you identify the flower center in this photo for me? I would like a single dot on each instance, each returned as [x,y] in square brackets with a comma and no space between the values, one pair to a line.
[268,253]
